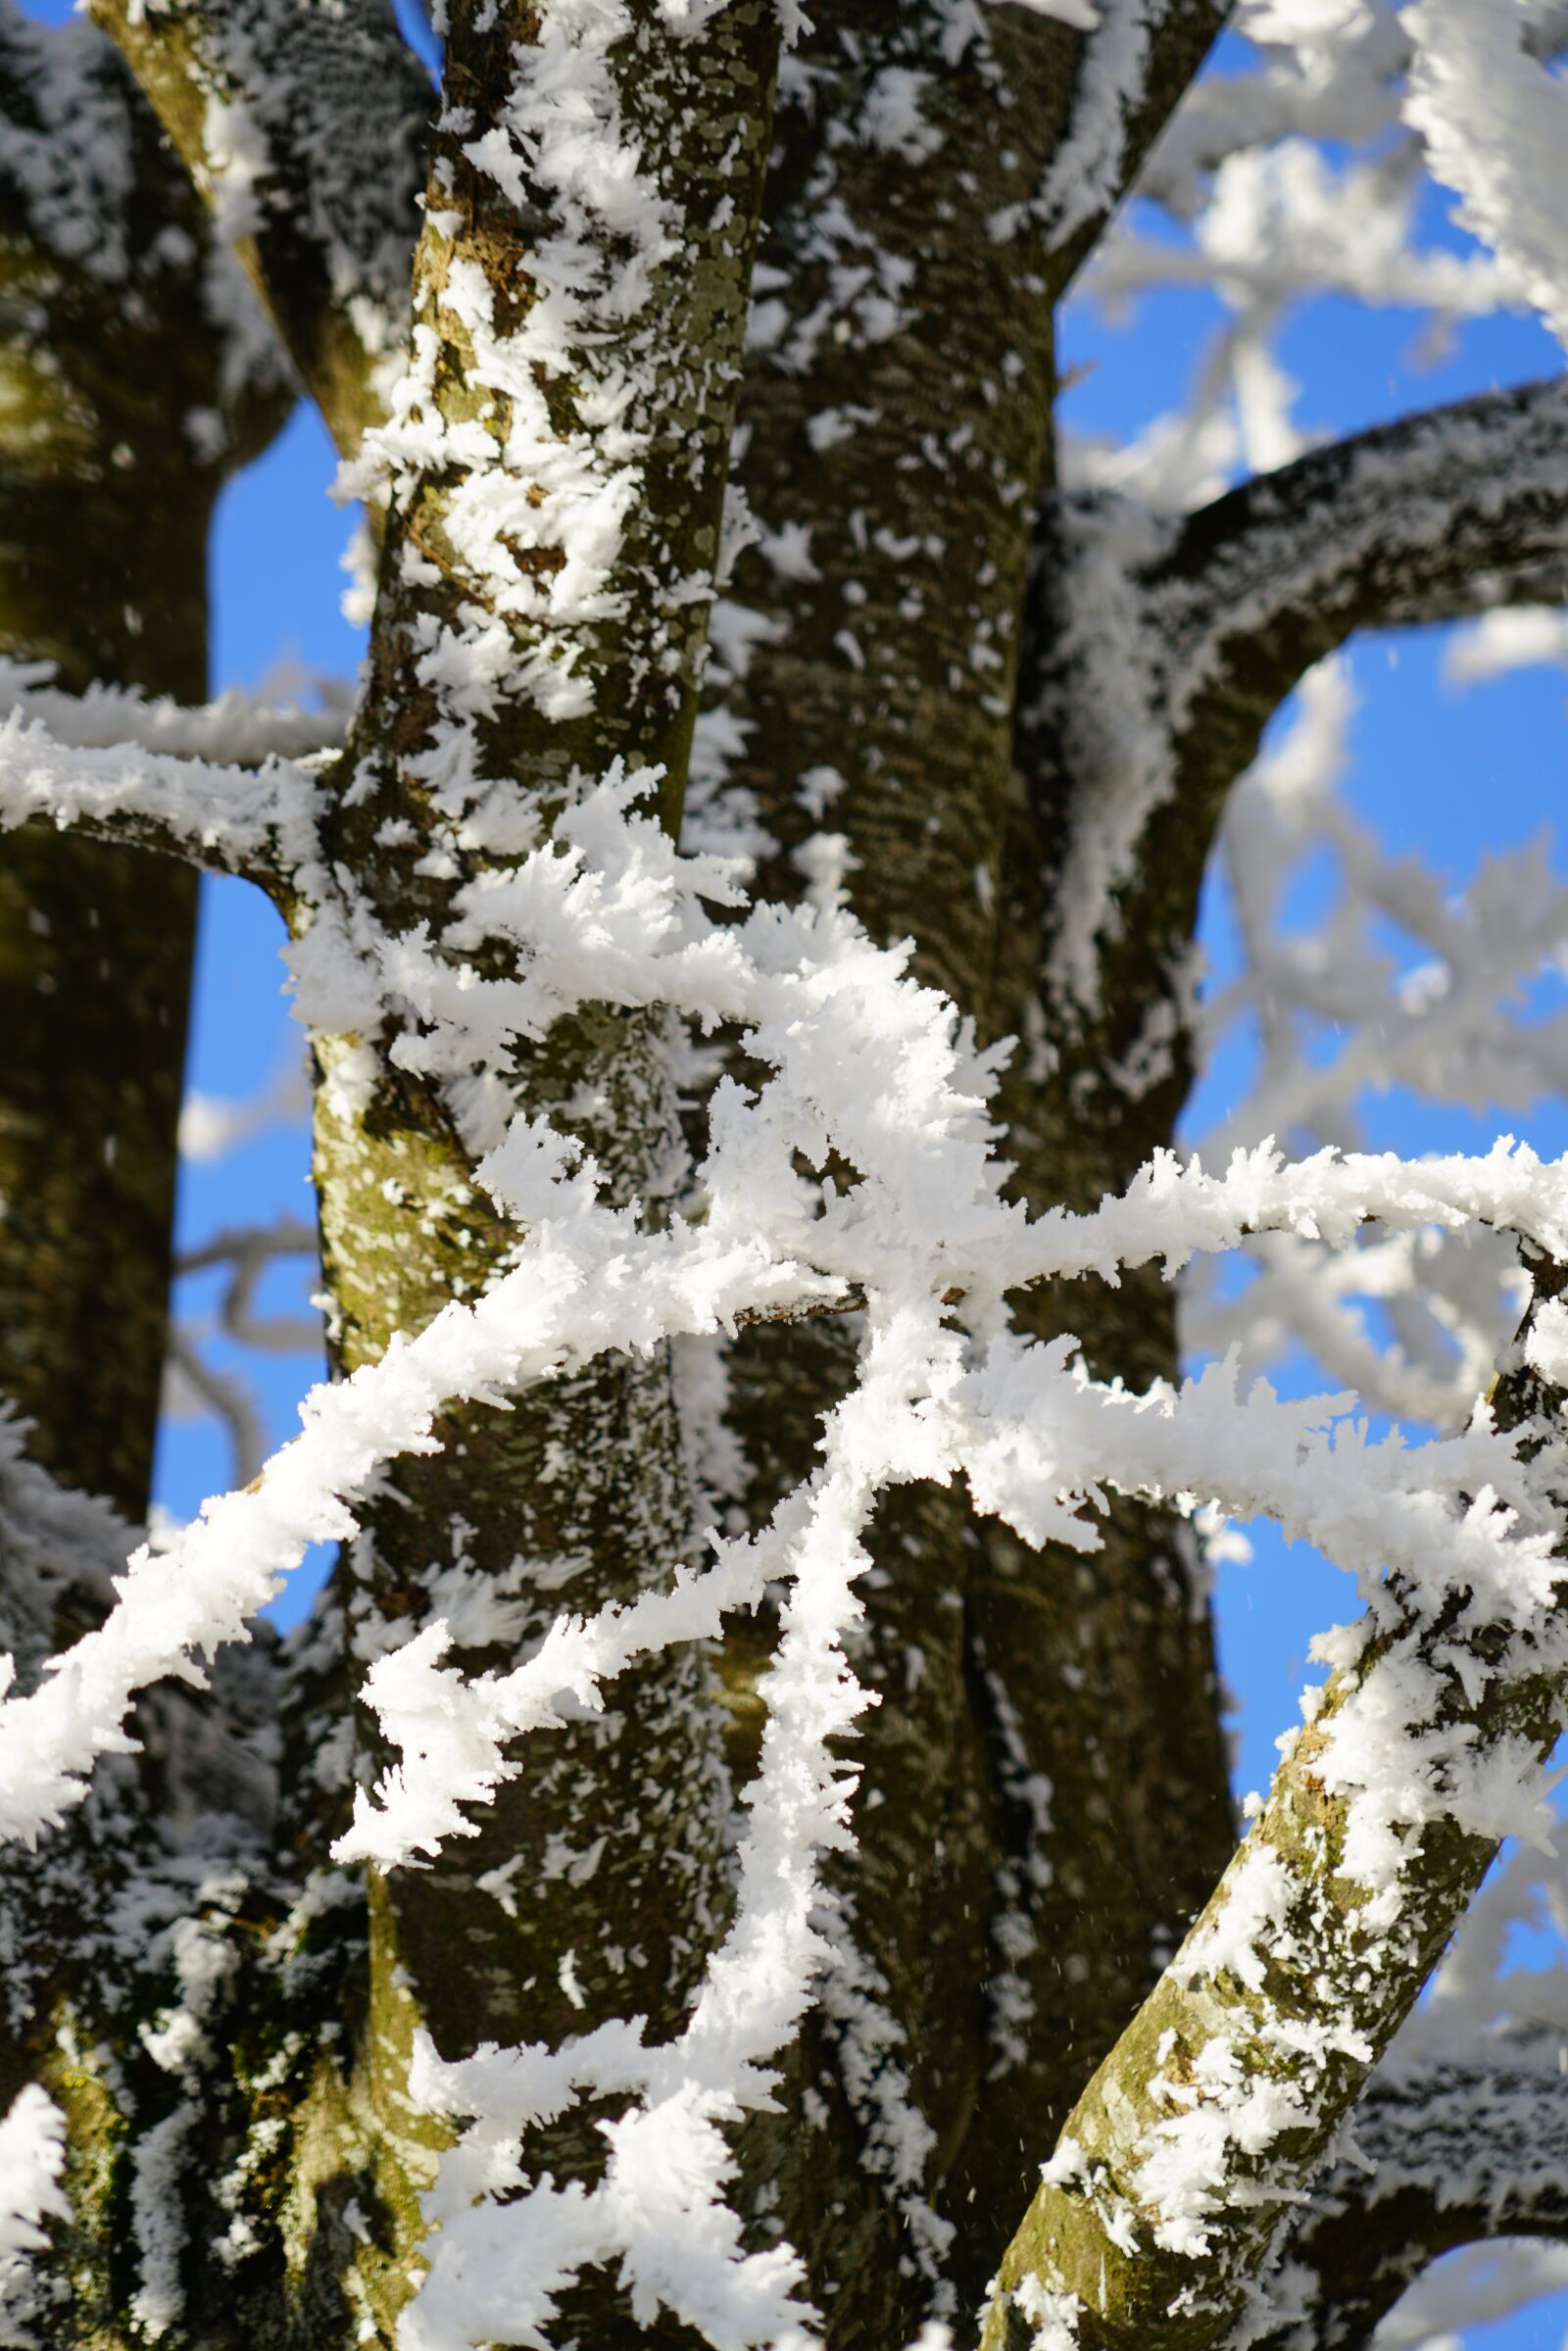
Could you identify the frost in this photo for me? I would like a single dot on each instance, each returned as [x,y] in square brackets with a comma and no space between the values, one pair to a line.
[32,2157]
[1494,119]
[237,162]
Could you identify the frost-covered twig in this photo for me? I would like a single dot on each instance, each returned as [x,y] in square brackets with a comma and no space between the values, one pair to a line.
[247,1250]
[230,819]
[245,1254]
[193,1385]
[1494,118]
[873,1073]
[1174,1208]
[237,729]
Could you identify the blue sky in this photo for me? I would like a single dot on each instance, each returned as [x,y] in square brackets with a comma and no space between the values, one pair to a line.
[1454,774]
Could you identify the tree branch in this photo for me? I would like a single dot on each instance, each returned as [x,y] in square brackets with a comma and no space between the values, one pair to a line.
[1133,73]
[236,728]
[306,128]
[227,819]
[1433,517]
[1446,2152]
[1211,2116]
[1156,653]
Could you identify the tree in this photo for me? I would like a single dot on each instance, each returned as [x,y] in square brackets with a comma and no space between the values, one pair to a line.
[741,1850]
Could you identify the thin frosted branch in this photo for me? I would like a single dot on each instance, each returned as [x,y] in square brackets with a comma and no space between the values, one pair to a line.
[237,729]
[258,823]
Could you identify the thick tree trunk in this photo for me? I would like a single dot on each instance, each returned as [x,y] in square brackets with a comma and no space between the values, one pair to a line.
[997,1936]
[599,1879]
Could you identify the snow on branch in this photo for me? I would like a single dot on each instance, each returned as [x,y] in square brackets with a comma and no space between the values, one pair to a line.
[1456,2148]
[1176,640]
[1174,1208]
[228,818]
[1403,981]
[1420,519]
[33,2159]
[306,128]
[82,180]
[1494,119]
[194,1380]
[237,729]
[1208,2122]
[1135,61]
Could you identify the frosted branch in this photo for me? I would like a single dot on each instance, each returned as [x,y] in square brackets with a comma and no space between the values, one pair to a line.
[1174,642]
[306,129]
[1453,2150]
[1210,2119]
[258,823]
[32,2161]
[237,729]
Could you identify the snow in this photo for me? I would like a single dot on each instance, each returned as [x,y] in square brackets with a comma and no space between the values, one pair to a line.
[585,901]
[33,2158]
[1494,119]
